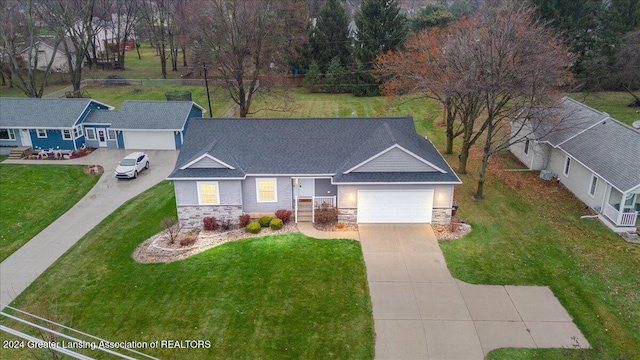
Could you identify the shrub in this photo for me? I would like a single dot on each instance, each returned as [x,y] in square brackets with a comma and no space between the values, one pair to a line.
[171,228]
[283,215]
[243,220]
[189,238]
[326,215]
[254,227]
[264,221]
[341,225]
[276,224]
[226,224]
[209,223]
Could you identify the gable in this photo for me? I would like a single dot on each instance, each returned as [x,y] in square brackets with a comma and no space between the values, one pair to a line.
[207,162]
[394,159]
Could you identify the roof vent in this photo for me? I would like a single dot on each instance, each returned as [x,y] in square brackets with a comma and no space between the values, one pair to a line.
[636,124]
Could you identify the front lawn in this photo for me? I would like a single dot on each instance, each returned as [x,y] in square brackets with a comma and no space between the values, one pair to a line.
[272,297]
[33,196]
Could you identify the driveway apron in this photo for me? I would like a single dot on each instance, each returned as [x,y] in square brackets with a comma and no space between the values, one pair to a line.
[421,312]
[21,268]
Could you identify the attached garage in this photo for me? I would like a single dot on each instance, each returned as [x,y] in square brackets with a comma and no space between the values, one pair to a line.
[149,140]
[395,206]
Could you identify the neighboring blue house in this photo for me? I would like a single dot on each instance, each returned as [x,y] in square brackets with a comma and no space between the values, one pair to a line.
[68,124]
[45,123]
[373,170]
[144,125]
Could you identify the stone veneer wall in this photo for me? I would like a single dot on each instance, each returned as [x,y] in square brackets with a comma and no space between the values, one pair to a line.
[347,215]
[441,216]
[191,216]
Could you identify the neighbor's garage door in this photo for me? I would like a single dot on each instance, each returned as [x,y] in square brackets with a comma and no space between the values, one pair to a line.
[149,140]
[395,206]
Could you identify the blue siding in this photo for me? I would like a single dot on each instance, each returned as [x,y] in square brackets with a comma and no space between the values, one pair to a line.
[92,106]
[52,141]
[177,139]
[16,142]
[120,137]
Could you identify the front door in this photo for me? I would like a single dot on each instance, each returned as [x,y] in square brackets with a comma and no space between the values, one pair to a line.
[306,188]
[102,137]
[25,137]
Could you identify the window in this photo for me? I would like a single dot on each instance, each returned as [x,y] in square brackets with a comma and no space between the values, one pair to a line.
[628,201]
[526,147]
[91,133]
[42,133]
[66,134]
[266,190]
[111,135]
[594,185]
[7,134]
[567,166]
[77,131]
[208,193]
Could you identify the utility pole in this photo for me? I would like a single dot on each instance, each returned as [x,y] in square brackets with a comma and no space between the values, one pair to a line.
[206,83]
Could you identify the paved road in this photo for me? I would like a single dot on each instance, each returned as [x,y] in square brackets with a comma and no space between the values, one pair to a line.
[421,312]
[21,268]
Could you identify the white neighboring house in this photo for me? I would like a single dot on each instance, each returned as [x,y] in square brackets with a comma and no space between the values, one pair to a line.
[593,155]
[45,46]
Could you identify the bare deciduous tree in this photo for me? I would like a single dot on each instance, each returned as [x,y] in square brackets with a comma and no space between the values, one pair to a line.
[247,41]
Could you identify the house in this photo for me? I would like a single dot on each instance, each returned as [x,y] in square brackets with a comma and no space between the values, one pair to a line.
[142,125]
[45,123]
[45,46]
[69,124]
[374,170]
[592,154]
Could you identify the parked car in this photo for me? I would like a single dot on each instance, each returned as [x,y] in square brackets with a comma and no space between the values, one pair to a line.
[131,165]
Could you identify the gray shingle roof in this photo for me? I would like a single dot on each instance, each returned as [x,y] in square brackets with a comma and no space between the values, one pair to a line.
[612,150]
[41,113]
[304,146]
[147,115]
[565,120]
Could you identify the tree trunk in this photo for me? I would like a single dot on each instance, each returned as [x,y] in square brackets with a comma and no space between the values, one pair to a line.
[462,159]
[138,50]
[184,57]
[449,119]
[483,166]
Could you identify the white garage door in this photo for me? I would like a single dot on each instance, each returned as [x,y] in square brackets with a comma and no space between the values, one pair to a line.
[149,140]
[395,206]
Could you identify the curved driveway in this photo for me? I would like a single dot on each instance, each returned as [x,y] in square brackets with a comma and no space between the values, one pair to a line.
[23,266]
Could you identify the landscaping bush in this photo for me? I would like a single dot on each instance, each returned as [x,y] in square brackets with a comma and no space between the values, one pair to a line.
[226,224]
[189,238]
[243,220]
[283,215]
[209,223]
[254,227]
[276,224]
[264,221]
[326,214]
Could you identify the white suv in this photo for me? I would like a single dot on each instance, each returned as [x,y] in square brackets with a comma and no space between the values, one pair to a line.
[131,165]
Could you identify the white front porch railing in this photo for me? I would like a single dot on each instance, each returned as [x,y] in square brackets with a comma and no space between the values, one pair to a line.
[627,218]
[318,201]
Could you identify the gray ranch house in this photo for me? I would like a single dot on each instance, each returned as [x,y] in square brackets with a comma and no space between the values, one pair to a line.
[374,170]
[593,155]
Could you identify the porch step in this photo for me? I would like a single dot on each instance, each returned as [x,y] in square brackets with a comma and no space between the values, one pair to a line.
[304,215]
[20,152]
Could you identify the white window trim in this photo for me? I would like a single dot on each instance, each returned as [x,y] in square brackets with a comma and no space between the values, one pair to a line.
[90,133]
[217,192]
[41,136]
[527,144]
[275,190]
[11,134]
[592,187]
[109,134]
[567,167]
[64,137]
[77,131]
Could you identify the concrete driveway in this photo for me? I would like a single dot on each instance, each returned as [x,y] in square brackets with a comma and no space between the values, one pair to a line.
[421,312]
[21,268]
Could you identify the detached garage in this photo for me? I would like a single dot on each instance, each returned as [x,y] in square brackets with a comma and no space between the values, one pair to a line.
[149,140]
[395,206]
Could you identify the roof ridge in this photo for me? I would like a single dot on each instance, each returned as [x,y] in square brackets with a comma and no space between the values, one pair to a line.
[586,106]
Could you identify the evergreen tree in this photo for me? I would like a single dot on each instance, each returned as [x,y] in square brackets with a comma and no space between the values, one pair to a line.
[313,76]
[432,15]
[335,78]
[330,36]
[380,28]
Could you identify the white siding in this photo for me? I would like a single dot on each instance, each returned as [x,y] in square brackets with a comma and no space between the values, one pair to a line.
[578,180]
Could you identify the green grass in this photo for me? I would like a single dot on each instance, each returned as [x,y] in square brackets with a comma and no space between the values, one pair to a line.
[275,297]
[613,103]
[33,196]
[116,95]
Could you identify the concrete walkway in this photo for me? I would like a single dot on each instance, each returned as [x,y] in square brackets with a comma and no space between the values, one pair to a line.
[421,312]
[21,268]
